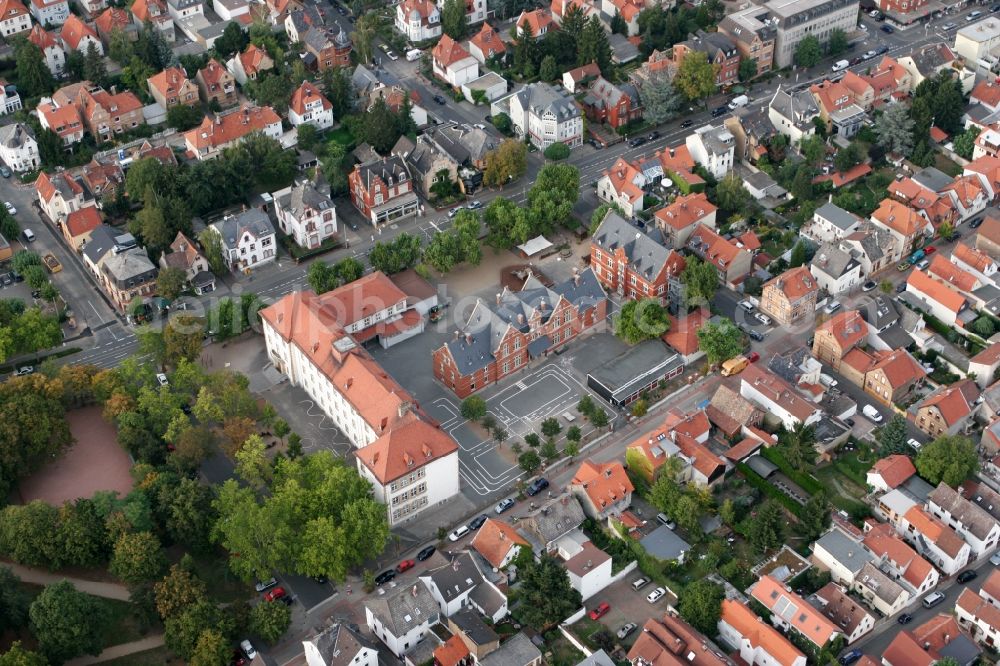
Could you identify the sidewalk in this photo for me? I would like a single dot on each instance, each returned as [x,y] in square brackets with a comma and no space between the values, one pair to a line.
[116,651]
[98,589]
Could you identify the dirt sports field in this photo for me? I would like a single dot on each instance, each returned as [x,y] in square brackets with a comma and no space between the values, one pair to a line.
[95,462]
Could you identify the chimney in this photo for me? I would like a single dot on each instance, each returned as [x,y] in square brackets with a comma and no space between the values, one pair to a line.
[457,335]
[520,318]
[350,382]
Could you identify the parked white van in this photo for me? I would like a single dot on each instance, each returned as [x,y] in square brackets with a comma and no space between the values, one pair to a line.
[738,102]
[414,54]
[840,65]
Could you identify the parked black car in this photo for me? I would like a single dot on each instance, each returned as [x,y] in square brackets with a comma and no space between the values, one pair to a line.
[687,123]
[425,553]
[653,136]
[385,576]
[720,111]
[537,486]
[477,522]
[966,576]
[440,99]
[905,618]
[637,141]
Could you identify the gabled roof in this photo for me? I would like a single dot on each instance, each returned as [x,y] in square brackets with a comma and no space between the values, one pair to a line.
[584,72]
[254,59]
[686,211]
[949,273]
[670,641]
[604,483]
[759,634]
[537,20]
[899,217]
[82,221]
[883,542]
[306,94]
[979,608]
[74,30]
[111,18]
[10,9]
[683,333]
[715,249]
[934,530]
[405,447]
[339,644]
[646,256]
[973,258]
[986,92]
[447,52]
[42,38]
[623,176]
[899,366]
[973,518]
[894,469]
[848,328]
[405,608]
[795,283]
[954,402]
[832,95]
[794,610]
[495,539]
[229,127]
[487,39]
[904,650]
[169,82]
[213,72]
[936,290]
[967,190]
[778,391]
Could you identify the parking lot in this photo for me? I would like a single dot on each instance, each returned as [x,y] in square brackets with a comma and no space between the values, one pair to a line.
[627,605]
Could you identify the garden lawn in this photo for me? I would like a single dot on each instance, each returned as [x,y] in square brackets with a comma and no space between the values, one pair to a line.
[564,653]
[844,480]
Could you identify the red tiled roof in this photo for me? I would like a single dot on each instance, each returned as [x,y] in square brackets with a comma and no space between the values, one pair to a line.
[938,135]
[588,71]
[604,483]
[447,52]
[82,221]
[972,257]
[488,39]
[904,650]
[12,8]
[795,283]
[894,469]
[759,634]
[537,20]
[778,391]
[986,92]
[951,274]
[111,18]
[954,402]
[253,60]
[683,333]
[495,539]
[622,175]
[988,356]
[41,38]
[842,178]
[451,653]
[169,81]
[672,642]
[229,127]
[74,30]
[743,449]
[936,291]
[307,93]
[899,217]
[848,328]
[882,541]
[685,211]
[934,530]
[805,619]
[213,72]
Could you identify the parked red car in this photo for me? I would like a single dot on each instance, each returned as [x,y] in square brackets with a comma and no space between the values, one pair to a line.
[601,610]
[929,250]
[405,565]
[275,594]
[753,357]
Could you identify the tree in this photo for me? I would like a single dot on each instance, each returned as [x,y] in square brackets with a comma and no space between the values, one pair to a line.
[798,445]
[894,130]
[748,69]
[660,100]
[847,158]
[802,188]
[13,601]
[556,151]
[183,630]
[270,621]
[815,517]
[137,558]
[949,458]
[506,163]
[891,438]
[473,408]
[720,341]
[33,75]
[808,52]
[813,149]
[731,195]
[339,90]
[93,66]
[550,200]
[183,117]
[252,464]
[966,141]
[546,594]
[695,77]
[378,126]
[454,21]
[701,280]
[232,40]
[549,69]
[67,623]
[837,43]
[701,605]
[593,46]
[178,590]
[618,24]
[18,656]
[212,648]
[321,277]
[550,427]
[170,282]
[798,256]
[765,529]
[397,255]
[183,337]
[640,320]
[502,122]
[529,461]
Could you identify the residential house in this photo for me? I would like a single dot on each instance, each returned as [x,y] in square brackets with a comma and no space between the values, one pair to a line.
[732,261]
[478,638]
[248,240]
[880,591]
[873,247]
[753,131]
[603,489]
[120,266]
[186,256]
[523,326]
[79,36]
[668,641]
[399,450]
[171,88]
[936,208]
[497,542]
[214,135]
[79,225]
[835,270]
[302,20]
[969,259]
[112,19]
[64,120]
[632,263]
[895,557]
[790,611]
[452,63]
[968,196]
[310,107]
[628,10]
[325,50]
[108,114]
[905,225]
[933,58]
[713,148]
[831,223]
[934,540]
[623,185]
[403,617]
[216,84]
[51,47]
[155,12]
[974,524]
[676,165]
[553,520]
[941,300]
[578,79]
[543,114]
[339,645]
[837,108]
[777,398]
[614,105]
[419,20]
[790,297]
[456,584]
[983,365]
[753,34]
[679,219]
[720,50]
[306,213]
[233,10]
[758,643]
[892,375]
[381,190]
[428,164]
[15,18]
[988,170]
[979,616]
[841,609]
[890,472]
[950,274]
[537,22]
[987,94]
[792,114]
[18,148]
[249,64]
[61,193]
[683,437]
[683,334]
[842,554]
[50,12]
[761,186]
[487,45]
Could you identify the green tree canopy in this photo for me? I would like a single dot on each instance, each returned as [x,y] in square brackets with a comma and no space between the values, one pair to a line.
[640,320]
[766,529]
[701,605]
[546,594]
[506,163]
[808,52]
[695,77]
[949,458]
[454,21]
[67,623]
[701,280]
[720,342]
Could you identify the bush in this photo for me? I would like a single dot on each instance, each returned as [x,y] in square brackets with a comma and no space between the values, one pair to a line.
[761,484]
[804,481]
[556,152]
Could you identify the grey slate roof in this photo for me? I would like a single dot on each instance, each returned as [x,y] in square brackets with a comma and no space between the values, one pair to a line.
[711,43]
[599,658]
[896,337]
[542,98]
[833,261]
[14,136]
[622,50]
[404,608]
[456,577]
[102,241]
[517,651]
[880,313]
[463,143]
[933,179]
[646,256]
[633,368]
[837,216]
[387,169]
[788,365]
[755,122]
[973,518]
[851,554]
[553,519]
[604,94]
[231,228]
[338,644]
[305,195]
[664,544]
[129,267]
[488,599]
[798,107]
[473,627]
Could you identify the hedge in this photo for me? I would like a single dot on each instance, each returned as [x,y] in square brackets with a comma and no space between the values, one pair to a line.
[761,484]
[804,481]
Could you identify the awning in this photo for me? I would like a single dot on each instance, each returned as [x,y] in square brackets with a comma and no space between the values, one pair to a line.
[534,246]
